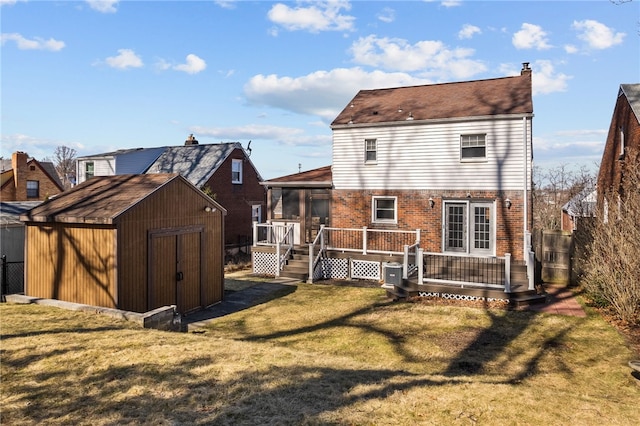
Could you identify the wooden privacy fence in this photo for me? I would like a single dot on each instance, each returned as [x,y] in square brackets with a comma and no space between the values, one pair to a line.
[554,251]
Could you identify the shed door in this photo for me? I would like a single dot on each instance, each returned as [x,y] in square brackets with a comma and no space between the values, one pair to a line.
[175,261]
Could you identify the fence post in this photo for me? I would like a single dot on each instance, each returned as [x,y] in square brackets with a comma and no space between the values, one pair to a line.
[364,240]
[3,290]
[418,236]
[277,258]
[507,272]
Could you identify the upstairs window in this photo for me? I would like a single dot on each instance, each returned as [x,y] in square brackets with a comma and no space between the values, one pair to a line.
[370,151]
[89,170]
[473,147]
[385,209]
[33,189]
[236,171]
[621,153]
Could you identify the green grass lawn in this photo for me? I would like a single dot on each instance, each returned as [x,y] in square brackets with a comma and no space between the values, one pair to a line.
[322,354]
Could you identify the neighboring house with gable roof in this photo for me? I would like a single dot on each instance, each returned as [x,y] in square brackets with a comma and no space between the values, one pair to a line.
[447,167]
[622,147]
[224,171]
[27,179]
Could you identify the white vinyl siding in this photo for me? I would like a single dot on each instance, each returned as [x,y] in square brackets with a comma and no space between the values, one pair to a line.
[421,156]
[101,167]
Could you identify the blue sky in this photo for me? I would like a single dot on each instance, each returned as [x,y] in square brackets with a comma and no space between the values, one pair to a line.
[103,75]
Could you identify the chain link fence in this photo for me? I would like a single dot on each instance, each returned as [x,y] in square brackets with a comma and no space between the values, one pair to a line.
[11,277]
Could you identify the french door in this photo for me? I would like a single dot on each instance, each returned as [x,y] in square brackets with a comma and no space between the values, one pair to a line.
[469,227]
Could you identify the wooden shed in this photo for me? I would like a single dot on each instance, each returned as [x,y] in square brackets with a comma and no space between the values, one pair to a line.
[131,242]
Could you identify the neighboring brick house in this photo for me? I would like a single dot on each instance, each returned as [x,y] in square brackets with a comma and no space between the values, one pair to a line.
[581,207]
[453,159]
[622,148]
[27,179]
[224,171]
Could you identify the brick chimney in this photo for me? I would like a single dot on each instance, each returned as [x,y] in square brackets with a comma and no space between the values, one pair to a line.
[19,166]
[525,68]
[191,140]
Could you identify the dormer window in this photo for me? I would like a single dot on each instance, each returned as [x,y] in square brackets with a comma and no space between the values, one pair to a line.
[473,147]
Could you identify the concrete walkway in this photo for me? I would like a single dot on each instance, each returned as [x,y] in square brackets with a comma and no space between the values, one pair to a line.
[561,301]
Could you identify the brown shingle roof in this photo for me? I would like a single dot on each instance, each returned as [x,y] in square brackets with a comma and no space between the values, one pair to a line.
[98,200]
[321,176]
[507,95]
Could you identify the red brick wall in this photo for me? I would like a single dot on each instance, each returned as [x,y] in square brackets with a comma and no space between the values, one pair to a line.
[238,198]
[610,174]
[352,209]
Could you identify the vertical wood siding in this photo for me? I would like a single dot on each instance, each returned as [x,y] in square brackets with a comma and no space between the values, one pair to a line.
[75,263]
[422,156]
[175,206]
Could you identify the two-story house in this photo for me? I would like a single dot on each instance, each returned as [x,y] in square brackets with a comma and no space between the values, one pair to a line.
[224,171]
[450,162]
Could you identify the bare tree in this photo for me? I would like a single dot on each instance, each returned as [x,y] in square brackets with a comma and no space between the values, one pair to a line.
[64,160]
[553,188]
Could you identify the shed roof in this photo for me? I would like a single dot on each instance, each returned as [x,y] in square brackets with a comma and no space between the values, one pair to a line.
[98,200]
[498,96]
[320,177]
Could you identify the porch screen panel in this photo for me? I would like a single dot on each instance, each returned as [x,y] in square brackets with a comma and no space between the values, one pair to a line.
[456,219]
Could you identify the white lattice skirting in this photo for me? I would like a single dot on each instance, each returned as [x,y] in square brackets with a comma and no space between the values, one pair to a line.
[328,268]
[264,263]
[365,269]
[464,297]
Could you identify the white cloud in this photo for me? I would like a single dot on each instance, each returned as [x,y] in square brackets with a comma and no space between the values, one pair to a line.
[570,48]
[531,36]
[226,4]
[318,16]
[37,148]
[451,3]
[322,93]
[596,34]
[468,31]
[387,15]
[544,78]
[193,65]
[34,44]
[9,2]
[104,6]
[126,58]
[431,59]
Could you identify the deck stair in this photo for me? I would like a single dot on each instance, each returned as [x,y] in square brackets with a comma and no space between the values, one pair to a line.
[297,266]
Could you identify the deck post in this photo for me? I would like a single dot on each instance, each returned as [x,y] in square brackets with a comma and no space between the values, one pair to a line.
[310,278]
[419,264]
[405,263]
[277,258]
[507,272]
[364,240]
[255,234]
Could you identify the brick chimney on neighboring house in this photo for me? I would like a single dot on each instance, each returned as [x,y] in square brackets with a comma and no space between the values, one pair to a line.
[191,140]
[19,165]
[525,68]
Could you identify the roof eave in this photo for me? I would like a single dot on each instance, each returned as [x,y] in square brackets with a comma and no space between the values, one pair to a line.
[307,184]
[435,121]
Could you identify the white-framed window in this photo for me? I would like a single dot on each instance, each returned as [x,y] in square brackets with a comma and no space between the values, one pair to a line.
[89,170]
[384,209]
[236,171]
[370,151]
[469,227]
[33,189]
[256,213]
[473,147]
[621,153]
